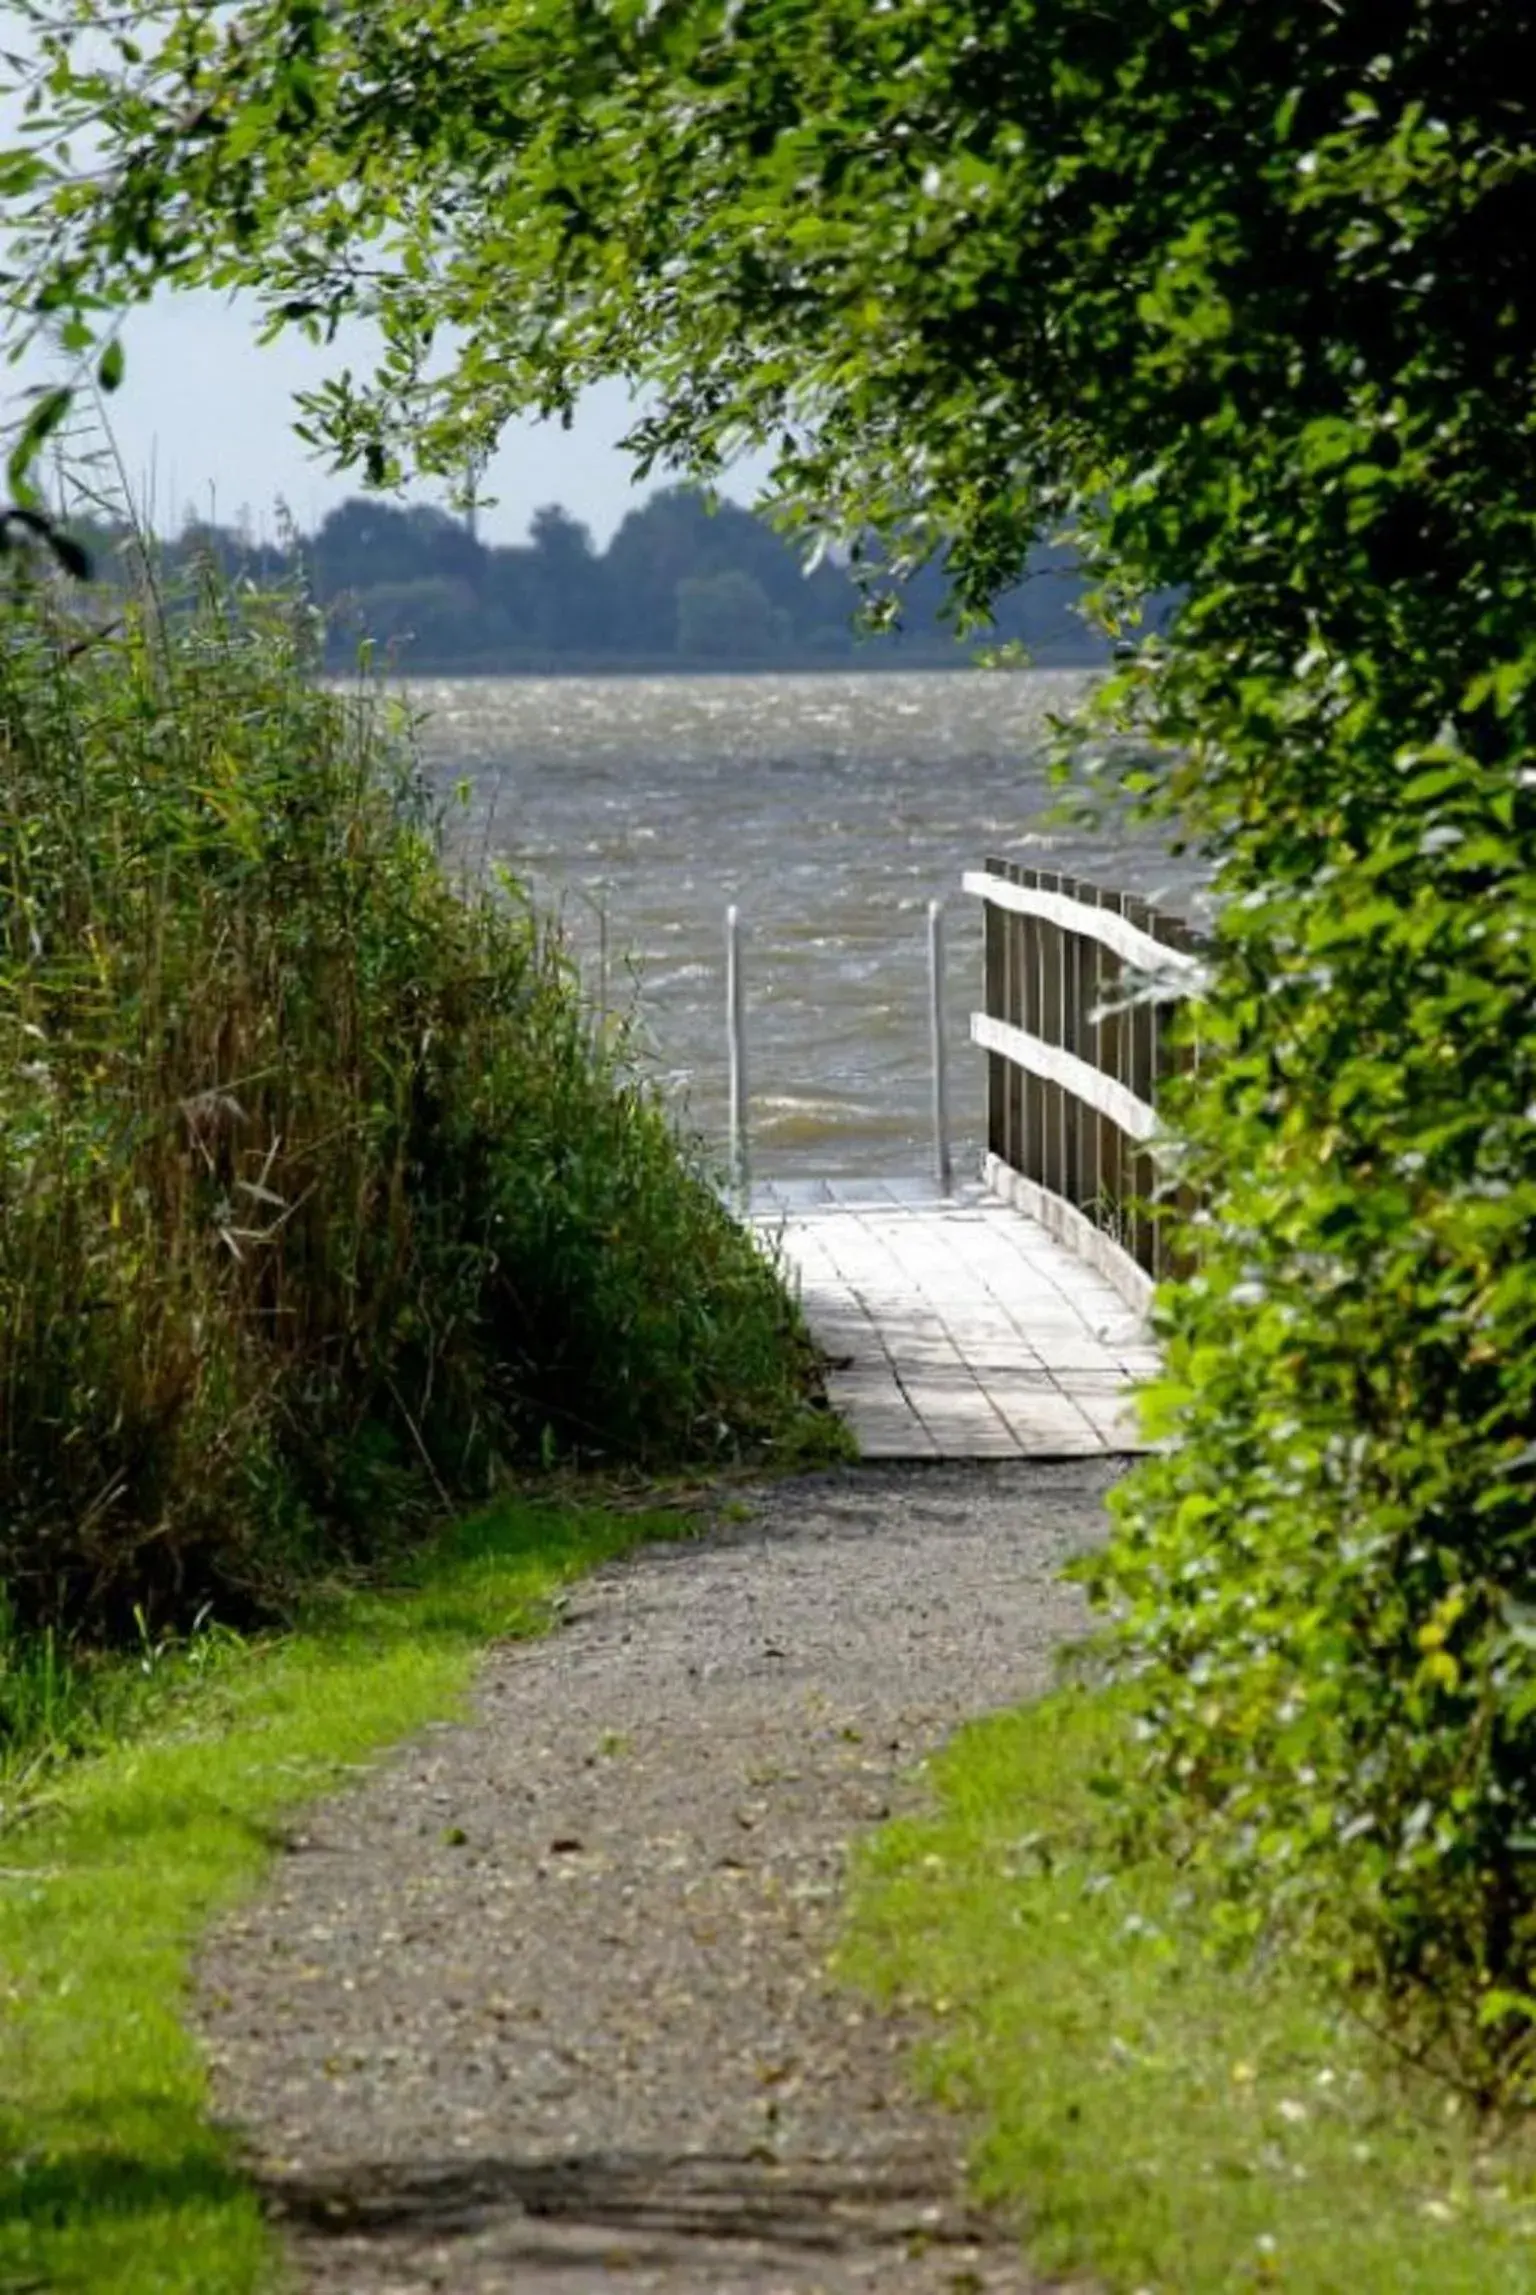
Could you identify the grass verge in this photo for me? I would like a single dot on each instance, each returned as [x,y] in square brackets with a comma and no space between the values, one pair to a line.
[111,2176]
[1161,2122]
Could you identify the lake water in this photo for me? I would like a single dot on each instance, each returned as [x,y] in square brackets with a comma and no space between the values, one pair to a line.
[831,809]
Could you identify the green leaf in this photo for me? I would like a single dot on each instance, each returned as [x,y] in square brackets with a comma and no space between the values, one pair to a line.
[49,410]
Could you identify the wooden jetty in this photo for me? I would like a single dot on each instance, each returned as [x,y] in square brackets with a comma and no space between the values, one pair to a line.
[1007,1318]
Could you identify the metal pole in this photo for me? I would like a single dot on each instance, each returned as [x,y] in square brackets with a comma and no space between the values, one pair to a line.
[735,1021]
[943,1169]
[602,967]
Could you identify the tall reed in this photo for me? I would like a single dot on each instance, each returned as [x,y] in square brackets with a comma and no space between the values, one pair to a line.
[319,1198]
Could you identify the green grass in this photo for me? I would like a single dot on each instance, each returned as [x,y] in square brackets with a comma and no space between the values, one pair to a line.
[1161,2122]
[111,2176]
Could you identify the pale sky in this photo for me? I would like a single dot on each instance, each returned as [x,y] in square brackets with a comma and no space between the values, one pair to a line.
[204,418]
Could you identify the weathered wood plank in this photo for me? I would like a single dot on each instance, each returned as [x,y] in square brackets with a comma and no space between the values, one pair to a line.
[1129,940]
[961,1329]
[1135,1116]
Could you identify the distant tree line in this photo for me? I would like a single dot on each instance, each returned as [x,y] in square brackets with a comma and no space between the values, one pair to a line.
[680,584]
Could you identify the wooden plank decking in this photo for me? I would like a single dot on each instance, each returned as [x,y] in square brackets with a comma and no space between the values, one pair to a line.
[957,1326]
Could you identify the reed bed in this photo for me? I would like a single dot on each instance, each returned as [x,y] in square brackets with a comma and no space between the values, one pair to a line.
[323,1200]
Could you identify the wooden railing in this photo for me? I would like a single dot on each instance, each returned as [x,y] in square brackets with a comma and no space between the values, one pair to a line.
[1078,986]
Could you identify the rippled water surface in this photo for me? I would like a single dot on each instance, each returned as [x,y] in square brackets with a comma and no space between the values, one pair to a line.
[831,809]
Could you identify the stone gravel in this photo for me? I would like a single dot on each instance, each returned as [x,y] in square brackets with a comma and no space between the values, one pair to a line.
[543,2004]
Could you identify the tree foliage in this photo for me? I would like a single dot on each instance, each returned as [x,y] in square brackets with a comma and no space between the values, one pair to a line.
[1241,297]
[414,579]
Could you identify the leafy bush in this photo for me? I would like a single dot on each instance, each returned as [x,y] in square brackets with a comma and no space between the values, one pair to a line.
[1329,1577]
[320,1199]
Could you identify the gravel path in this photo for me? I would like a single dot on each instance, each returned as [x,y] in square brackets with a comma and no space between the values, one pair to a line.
[543,2005]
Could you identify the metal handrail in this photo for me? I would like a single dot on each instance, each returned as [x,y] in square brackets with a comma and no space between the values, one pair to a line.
[738,1140]
[736,1035]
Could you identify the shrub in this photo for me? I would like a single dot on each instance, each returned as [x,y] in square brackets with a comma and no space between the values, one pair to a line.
[320,1200]
[1327,1579]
